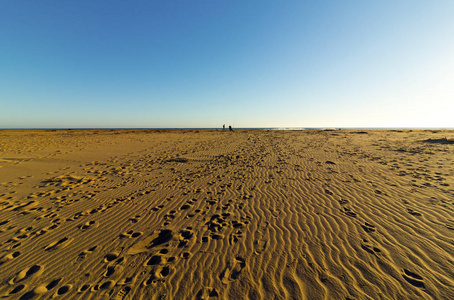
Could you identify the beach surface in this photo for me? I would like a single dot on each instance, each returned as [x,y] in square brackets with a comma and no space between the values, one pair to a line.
[207,214]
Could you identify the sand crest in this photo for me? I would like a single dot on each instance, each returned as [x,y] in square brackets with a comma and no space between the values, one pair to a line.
[184,214]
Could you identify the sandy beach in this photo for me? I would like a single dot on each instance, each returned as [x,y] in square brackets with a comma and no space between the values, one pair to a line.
[207,214]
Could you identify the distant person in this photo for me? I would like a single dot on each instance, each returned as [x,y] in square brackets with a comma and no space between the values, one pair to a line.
[230,128]
[223,127]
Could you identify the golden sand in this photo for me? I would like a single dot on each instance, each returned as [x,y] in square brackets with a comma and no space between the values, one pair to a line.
[128,214]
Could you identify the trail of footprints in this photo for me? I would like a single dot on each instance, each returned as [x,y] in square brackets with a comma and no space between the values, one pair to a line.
[159,264]
[36,270]
[411,277]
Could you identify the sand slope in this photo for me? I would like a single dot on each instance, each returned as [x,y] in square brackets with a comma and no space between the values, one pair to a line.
[105,214]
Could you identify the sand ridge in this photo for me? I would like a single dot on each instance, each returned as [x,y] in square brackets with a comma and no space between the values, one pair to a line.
[184,214]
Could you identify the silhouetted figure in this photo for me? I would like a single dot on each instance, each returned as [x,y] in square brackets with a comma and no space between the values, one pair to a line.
[223,127]
[230,128]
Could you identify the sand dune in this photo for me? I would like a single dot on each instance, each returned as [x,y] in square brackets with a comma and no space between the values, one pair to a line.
[130,214]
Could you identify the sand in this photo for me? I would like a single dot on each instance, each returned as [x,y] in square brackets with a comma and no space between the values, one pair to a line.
[130,214]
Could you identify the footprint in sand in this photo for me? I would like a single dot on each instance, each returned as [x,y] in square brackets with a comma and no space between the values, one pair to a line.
[216,236]
[53,284]
[368,227]
[84,253]
[170,216]
[136,234]
[235,237]
[366,245]
[328,192]
[14,246]
[63,290]
[62,243]
[413,278]
[238,224]
[83,288]
[158,274]
[17,289]
[413,213]
[153,240]
[450,225]
[115,269]
[46,229]
[88,225]
[33,271]
[23,230]
[343,201]
[123,293]
[41,289]
[111,256]
[185,236]
[154,260]
[261,241]
[207,293]
[7,257]
[126,280]
[134,219]
[260,245]
[349,212]
[186,206]
[131,234]
[233,271]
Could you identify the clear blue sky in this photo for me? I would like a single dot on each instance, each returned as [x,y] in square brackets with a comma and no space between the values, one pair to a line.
[242,63]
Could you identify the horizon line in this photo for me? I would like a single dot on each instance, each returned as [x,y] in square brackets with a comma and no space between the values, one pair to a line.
[226,129]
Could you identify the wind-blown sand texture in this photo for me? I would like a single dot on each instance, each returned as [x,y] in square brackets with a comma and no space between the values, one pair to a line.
[129,214]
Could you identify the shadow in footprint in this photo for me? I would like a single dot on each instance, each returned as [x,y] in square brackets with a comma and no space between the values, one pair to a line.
[413,278]
[233,271]
[413,213]
[349,212]
[368,227]
[164,236]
